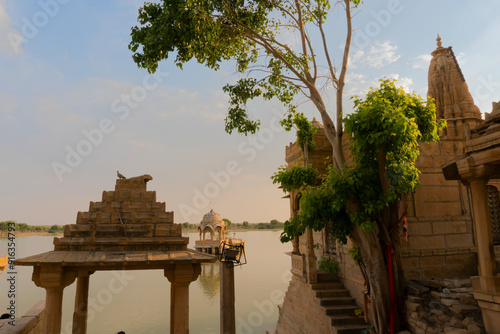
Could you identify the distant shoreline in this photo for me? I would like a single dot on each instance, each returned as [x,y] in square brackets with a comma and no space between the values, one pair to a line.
[189,230]
[30,234]
[230,230]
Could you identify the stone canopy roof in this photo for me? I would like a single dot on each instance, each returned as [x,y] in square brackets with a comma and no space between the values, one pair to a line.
[128,227]
[481,148]
[212,219]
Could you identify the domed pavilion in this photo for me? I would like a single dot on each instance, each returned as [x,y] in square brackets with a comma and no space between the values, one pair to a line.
[212,224]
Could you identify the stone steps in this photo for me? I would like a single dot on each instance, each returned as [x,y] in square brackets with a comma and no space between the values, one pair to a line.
[332,293]
[340,309]
[342,319]
[338,304]
[351,329]
[334,285]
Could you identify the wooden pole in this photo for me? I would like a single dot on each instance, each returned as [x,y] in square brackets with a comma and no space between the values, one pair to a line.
[227,310]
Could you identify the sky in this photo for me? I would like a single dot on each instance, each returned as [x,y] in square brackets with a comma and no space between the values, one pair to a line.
[74,107]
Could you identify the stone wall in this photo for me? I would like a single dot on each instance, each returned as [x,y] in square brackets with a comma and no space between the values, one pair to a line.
[30,323]
[441,239]
[300,313]
[350,274]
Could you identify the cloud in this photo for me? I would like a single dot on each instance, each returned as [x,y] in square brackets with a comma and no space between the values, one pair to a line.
[359,84]
[404,82]
[460,58]
[422,61]
[10,39]
[378,56]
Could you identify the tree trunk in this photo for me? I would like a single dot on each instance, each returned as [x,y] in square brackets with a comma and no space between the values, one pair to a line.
[376,271]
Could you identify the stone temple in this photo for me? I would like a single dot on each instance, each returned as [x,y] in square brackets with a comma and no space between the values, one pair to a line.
[127,230]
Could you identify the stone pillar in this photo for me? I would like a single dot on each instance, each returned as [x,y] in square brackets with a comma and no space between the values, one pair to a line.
[295,245]
[53,279]
[486,285]
[180,276]
[311,261]
[227,298]
[482,226]
[81,303]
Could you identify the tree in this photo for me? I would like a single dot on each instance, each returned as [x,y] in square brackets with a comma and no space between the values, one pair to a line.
[252,34]
[362,200]
[274,223]
[227,221]
[54,229]
[245,224]
[22,227]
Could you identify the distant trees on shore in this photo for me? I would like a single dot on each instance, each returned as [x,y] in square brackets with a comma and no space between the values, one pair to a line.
[25,228]
[273,224]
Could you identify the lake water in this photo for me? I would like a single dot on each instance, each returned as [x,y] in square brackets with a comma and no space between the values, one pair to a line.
[138,302]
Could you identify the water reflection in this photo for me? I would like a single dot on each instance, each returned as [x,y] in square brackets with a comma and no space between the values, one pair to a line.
[143,305]
[209,281]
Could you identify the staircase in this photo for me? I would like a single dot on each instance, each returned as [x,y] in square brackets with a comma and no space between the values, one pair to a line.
[338,304]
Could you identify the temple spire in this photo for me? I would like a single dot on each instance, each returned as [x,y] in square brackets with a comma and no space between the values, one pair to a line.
[438,40]
[451,95]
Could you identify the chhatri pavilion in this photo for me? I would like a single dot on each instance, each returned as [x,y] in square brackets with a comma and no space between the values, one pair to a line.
[213,225]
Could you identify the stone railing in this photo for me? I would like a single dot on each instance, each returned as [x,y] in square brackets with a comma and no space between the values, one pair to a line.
[30,323]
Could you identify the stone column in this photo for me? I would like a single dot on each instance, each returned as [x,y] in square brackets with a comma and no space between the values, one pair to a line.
[180,276]
[81,303]
[486,285]
[311,261]
[482,226]
[53,279]
[227,298]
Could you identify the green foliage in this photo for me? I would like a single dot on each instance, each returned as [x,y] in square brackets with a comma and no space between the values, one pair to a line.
[389,123]
[355,253]
[292,228]
[305,129]
[23,227]
[329,265]
[245,224]
[227,221]
[273,224]
[187,225]
[295,178]
[54,229]
[245,31]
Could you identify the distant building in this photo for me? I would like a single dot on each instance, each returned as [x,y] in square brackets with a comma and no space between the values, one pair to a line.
[212,224]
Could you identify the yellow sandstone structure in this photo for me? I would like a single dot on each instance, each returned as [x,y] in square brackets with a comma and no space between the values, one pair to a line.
[212,224]
[450,227]
[127,230]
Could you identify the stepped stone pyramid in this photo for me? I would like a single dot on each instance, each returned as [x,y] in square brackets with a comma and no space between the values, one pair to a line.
[127,219]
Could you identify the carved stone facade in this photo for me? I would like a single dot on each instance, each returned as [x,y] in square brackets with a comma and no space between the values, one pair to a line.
[442,241]
[449,90]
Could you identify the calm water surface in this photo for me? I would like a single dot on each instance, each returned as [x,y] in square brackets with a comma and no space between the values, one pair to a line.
[138,302]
